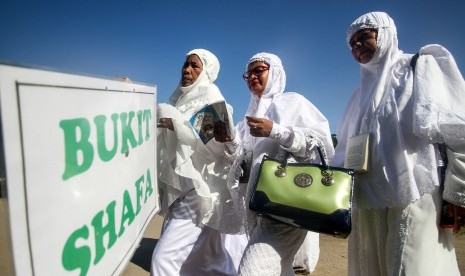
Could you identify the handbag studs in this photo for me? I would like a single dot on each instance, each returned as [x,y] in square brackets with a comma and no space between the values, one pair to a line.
[303,180]
[280,171]
[328,178]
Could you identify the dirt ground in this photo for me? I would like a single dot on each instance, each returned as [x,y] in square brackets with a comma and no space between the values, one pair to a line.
[332,262]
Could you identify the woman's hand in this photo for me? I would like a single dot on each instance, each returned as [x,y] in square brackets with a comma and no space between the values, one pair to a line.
[165,123]
[259,127]
[221,132]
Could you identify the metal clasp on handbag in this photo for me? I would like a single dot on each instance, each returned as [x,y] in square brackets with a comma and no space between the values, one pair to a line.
[328,178]
[280,171]
[326,172]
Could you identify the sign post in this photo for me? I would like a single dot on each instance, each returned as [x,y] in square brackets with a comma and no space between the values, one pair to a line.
[80,165]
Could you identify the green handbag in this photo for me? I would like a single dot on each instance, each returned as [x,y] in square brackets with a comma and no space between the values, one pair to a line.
[315,197]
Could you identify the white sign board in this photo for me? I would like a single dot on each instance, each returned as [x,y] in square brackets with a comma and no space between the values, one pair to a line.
[80,164]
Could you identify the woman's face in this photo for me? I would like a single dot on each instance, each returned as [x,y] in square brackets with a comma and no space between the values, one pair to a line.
[191,70]
[257,77]
[364,45]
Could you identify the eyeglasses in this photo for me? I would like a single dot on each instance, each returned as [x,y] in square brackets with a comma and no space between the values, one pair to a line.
[257,71]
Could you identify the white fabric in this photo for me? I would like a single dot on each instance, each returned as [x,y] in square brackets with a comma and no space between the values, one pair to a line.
[404,115]
[281,134]
[402,241]
[211,64]
[211,68]
[271,249]
[396,204]
[192,176]
[308,128]
[308,254]
[184,162]
[275,85]
[187,249]
[439,98]
[440,114]
[235,245]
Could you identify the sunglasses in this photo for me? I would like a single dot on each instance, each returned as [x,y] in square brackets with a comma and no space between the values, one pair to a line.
[257,71]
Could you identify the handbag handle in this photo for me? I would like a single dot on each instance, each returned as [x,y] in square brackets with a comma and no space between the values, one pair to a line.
[322,158]
[320,153]
[326,172]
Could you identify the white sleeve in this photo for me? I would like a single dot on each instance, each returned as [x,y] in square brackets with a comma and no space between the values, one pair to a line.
[281,134]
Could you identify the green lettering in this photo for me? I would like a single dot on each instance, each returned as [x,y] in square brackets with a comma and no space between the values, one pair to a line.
[105,154]
[74,257]
[139,126]
[73,147]
[127,133]
[139,193]
[128,212]
[148,186]
[100,231]
[147,118]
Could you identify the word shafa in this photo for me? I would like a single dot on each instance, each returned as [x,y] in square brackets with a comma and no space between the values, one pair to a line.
[86,246]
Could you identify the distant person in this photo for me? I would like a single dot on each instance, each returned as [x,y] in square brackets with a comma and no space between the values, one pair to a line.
[276,123]
[198,233]
[409,107]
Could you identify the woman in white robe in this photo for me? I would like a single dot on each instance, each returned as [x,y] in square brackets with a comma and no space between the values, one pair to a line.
[276,123]
[407,107]
[198,234]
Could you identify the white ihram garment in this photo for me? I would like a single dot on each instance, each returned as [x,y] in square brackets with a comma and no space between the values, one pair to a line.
[308,254]
[188,249]
[272,246]
[406,113]
[195,200]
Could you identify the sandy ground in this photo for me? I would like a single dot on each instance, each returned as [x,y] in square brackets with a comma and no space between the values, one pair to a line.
[332,262]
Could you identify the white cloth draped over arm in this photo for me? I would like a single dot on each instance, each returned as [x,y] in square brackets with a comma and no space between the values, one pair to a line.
[440,113]
[299,142]
[282,134]
[174,151]
[307,126]
[182,155]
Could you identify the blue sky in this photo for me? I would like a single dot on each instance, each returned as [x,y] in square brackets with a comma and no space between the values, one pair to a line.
[147,40]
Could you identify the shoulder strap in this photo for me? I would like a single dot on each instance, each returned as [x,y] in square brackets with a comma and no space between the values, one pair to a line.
[413,61]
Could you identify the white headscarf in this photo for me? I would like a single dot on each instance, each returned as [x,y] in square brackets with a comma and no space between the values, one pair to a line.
[193,96]
[274,86]
[386,38]
[404,163]
[375,73]
[273,103]
[358,117]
